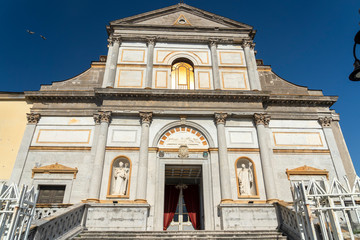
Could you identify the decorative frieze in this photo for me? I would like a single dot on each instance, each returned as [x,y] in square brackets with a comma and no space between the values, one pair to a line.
[325,121]
[263,119]
[33,118]
[220,118]
[146,117]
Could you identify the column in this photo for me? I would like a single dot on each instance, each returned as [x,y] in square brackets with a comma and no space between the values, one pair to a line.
[111,62]
[32,120]
[215,64]
[102,118]
[141,183]
[253,74]
[266,155]
[334,151]
[150,62]
[225,185]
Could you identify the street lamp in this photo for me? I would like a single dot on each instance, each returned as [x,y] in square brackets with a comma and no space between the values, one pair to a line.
[355,75]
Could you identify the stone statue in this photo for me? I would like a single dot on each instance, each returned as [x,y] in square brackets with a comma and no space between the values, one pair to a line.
[121,175]
[246,178]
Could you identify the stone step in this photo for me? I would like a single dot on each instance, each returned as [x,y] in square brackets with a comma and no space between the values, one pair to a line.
[95,235]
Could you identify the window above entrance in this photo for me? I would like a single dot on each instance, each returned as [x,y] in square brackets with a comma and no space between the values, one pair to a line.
[182,75]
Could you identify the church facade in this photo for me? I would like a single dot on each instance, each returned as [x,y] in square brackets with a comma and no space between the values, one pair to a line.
[179,127]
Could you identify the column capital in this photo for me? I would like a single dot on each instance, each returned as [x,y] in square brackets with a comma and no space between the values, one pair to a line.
[150,40]
[112,39]
[102,117]
[33,118]
[146,117]
[248,43]
[325,121]
[261,119]
[213,42]
[220,118]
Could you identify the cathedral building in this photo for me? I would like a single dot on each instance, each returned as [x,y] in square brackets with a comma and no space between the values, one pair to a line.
[179,127]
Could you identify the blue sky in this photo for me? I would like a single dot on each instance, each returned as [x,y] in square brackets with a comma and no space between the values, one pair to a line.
[306,42]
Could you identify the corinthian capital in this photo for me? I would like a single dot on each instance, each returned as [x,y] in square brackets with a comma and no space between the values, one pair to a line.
[151,40]
[247,43]
[113,39]
[102,117]
[213,42]
[220,118]
[261,119]
[325,121]
[146,117]
[33,118]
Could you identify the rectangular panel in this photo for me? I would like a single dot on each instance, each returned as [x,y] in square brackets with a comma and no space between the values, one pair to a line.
[231,58]
[298,139]
[133,55]
[130,78]
[234,80]
[204,80]
[64,136]
[124,136]
[161,79]
[237,137]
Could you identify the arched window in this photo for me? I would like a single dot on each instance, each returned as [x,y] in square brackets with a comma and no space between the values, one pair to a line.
[182,75]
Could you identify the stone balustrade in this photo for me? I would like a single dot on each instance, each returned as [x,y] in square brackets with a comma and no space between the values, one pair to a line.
[48,210]
[287,220]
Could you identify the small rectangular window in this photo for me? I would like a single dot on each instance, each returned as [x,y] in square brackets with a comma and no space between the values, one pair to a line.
[51,193]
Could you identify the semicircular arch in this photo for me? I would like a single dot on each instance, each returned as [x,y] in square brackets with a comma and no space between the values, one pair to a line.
[171,57]
[199,132]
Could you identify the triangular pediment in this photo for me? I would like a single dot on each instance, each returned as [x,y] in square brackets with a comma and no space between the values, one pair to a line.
[56,169]
[306,170]
[170,16]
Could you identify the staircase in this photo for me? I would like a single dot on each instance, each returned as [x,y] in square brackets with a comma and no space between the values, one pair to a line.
[248,235]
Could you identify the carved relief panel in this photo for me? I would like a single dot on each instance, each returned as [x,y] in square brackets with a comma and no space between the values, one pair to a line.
[246,178]
[119,180]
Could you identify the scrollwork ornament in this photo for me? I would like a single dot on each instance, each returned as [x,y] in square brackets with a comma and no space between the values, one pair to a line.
[33,118]
[261,119]
[97,118]
[325,121]
[146,117]
[220,118]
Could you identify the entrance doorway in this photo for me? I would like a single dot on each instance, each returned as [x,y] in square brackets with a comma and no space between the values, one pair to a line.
[183,200]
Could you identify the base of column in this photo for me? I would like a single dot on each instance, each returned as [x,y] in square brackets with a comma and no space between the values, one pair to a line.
[148,88]
[140,201]
[109,87]
[272,200]
[91,200]
[227,201]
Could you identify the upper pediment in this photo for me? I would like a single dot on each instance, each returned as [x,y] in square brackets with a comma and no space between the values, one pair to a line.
[181,15]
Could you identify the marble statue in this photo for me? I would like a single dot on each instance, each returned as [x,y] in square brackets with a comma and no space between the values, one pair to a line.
[121,177]
[246,178]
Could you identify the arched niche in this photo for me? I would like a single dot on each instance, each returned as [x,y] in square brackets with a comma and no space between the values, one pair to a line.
[246,180]
[173,56]
[119,178]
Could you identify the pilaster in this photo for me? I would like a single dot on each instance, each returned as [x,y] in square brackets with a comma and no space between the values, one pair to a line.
[215,64]
[141,183]
[251,66]
[103,119]
[32,121]
[111,62]
[150,62]
[261,122]
[225,186]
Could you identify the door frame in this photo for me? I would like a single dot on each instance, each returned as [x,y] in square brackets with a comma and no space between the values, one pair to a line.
[207,193]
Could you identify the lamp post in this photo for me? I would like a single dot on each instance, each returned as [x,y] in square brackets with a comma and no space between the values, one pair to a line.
[355,75]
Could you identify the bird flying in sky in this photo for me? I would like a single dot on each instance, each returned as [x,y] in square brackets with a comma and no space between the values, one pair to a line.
[30,32]
[42,37]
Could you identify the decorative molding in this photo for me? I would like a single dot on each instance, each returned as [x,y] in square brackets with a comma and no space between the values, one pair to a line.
[151,40]
[220,118]
[54,169]
[112,39]
[306,170]
[325,121]
[260,118]
[52,148]
[102,117]
[33,118]
[301,151]
[213,42]
[146,117]
[123,148]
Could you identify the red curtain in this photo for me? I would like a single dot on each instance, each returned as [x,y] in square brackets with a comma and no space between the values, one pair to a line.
[171,201]
[192,202]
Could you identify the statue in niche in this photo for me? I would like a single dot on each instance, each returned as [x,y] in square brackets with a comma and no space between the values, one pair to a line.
[246,179]
[121,178]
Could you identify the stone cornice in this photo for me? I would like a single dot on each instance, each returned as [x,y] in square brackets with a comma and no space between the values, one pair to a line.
[99,94]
